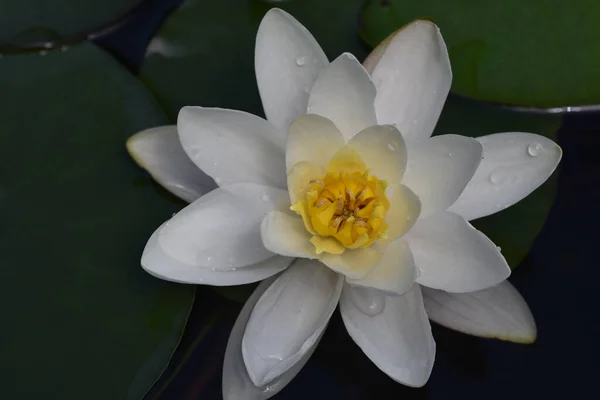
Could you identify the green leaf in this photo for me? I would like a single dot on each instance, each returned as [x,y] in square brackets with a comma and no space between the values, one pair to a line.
[534,53]
[27,21]
[204,52]
[515,228]
[81,319]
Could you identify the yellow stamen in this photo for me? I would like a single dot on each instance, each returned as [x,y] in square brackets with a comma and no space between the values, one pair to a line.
[346,206]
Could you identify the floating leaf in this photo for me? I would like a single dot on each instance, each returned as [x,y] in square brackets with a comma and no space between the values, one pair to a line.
[535,53]
[27,21]
[81,319]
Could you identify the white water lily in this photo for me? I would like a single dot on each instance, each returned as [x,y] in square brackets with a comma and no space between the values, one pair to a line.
[342,196]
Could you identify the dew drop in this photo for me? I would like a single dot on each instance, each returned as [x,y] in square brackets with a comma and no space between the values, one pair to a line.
[449,154]
[174,214]
[415,121]
[497,177]
[266,197]
[64,48]
[217,180]
[498,206]
[499,248]
[43,52]
[533,149]
[48,45]
[300,61]
[391,147]
[214,163]
[367,301]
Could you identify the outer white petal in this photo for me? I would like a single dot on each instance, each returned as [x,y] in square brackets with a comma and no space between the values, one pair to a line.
[233,146]
[498,312]
[514,164]
[398,340]
[237,384]
[345,94]
[453,256]
[287,61]
[158,150]
[439,169]
[222,229]
[285,234]
[413,79]
[288,319]
[159,264]
[395,273]
[312,138]
[383,150]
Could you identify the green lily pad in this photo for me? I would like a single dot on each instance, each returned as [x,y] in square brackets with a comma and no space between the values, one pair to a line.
[204,52]
[27,21]
[515,228]
[81,319]
[535,53]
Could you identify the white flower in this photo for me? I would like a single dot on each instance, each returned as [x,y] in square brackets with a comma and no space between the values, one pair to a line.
[344,190]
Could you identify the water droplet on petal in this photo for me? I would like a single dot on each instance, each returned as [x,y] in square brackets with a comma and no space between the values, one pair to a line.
[266,197]
[391,147]
[214,163]
[497,177]
[368,301]
[449,154]
[174,214]
[533,149]
[217,181]
[300,61]
[499,248]
[498,206]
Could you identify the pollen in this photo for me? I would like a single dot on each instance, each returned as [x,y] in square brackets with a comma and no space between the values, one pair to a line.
[345,208]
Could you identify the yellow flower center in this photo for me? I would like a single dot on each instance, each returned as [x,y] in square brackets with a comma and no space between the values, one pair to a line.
[345,208]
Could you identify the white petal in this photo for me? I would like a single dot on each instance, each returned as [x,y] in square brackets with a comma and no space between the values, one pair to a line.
[498,312]
[404,211]
[383,150]
[158,150]
[222,229]
[312,138]
[398,340]
[285,234]
[514,165]
[439,169]
[237,384]
[413,79]
[345,94]
[159,264]
[395,273]
[299,177]
[453,256]
[354,264]
[288,319]
[287,61]
[233,146]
